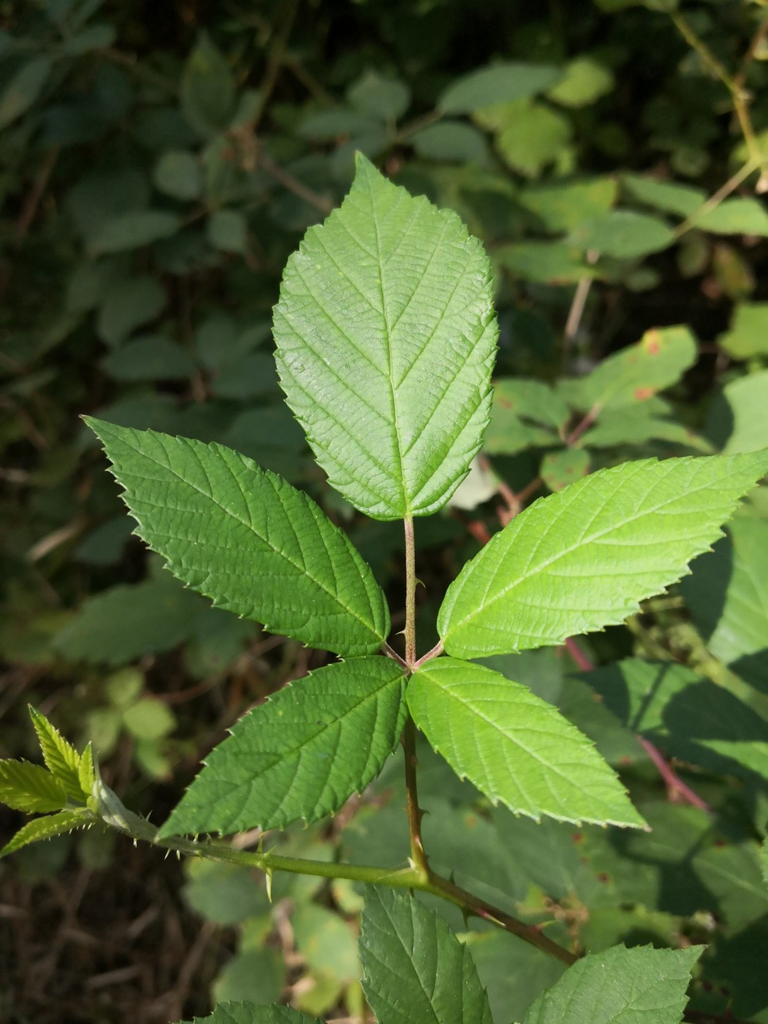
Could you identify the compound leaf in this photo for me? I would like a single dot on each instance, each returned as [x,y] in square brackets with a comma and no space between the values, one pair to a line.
[30,787]
[48,827]
[61,758]
[386,338]
[514,746]
[246,538]
[620,986]
[300,755]
[584,558]
[415,969]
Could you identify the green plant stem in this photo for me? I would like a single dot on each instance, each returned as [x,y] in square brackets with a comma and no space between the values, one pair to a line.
[739,96]
[410,593]
[414,878]
[414,812]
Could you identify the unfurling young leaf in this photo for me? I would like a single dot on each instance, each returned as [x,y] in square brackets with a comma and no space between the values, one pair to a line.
[513,746]
[61,758]
[414,968]
[584,558]
[386,337]
[28,787]
[247,539]
[300,755]
[48,827]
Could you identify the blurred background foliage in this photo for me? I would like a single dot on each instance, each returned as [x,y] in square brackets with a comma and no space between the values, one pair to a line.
[158,164]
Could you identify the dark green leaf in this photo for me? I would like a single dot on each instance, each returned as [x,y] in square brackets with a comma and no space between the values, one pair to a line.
[497,84]
[208,89]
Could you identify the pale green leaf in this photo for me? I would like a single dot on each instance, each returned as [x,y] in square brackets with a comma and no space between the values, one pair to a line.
[247,1013]
[48,827]
[738,419]
[208,89]
[623,234]
[247,539]
[386,338]
[253,975]
[30,787]
[562,206]
[132,230]
[547,262]
[379,96]
[620,986]
[61,758]
[727,595]
[451,141]
[639,371]
[87,771]
[414,968]
[128,621]
[499,83]
[23,89]
[689,717]
[326,942]
[563,467]
[584,558]
[636,425]
[151,357]
[748,333]
[737,216]
[528,135]
[178,173]
[585,81]
[668,196]
[225,893]
[516,748]
[300,755]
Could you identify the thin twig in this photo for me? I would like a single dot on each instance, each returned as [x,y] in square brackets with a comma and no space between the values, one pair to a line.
[717,197]
[413,811]
[287,180]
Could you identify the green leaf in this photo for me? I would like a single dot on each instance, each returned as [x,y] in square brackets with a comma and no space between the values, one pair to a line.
[547,262]
[623,234]
[178,173]
[46,828]
[386,337]
[247,539]
[23,89]
[639,371]
[585,81]
[499,83]
[691,718]
[127,304]
[748,333]
[327,125]
[133,230]
[584,558]
[414,968]
[86,772]
[300,755]
[515,747]
[528,135]
[61,758]
[252,975]
[620,986]
[636,425]
[225,893]
[512,972]
[126,622]
[452,141]
[383,98]
[151,357]
[208,89]
[30,788]
[668,196]
[738,419]
[739,216]
[516,401]
[764,860]
[149,719]
[727,595]
[562,206]
[247,1013]
[227,230]
[563,467]
[326,942]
